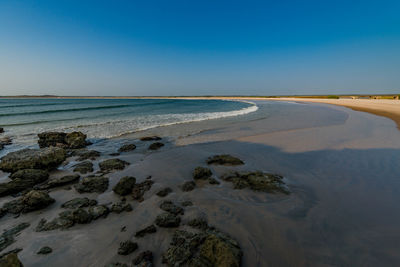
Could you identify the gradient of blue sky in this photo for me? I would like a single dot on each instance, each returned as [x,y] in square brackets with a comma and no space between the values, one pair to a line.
[199,47]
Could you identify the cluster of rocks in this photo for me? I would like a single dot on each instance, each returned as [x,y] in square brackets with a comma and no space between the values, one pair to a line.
[170,218]
[72,140]
[80,211]
[31,201]
[127,186]
[257,181]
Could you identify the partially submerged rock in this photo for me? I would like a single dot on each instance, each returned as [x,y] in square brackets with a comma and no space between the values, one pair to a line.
[207,248]
[121,206]
[98,211]
[84,154]
[141,188]
[84,167]
[113,164]
[150,138]
[148,230]
[31,201]
[164,192]
[127,247]
[187,203]
[72,140]
[5,141]
[61,181]
[144,259]
[92,184]
[23,180]
[188,186]
[46,158]
[167,220]
[224,160]
[79,202]
[127,148]
[45,250]
[171,207]
[257,181]
[125,185]
[7,237]
[198,223]
[10,260]
[156,145]
[201,173]
[213,181]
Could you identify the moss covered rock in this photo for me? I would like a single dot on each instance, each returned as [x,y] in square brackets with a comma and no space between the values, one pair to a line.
[224,160]
[125,185]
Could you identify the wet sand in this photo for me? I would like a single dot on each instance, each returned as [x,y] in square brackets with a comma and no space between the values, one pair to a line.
[340,165]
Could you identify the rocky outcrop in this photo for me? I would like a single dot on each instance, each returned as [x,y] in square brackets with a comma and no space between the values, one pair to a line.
[201,173]
[224,160]
[148,230]
[46,158]
[92,184]
[188,186]
[84,154]
[10,260]
[141,188]
[127,148]
[23,180]
[112,164]
[79,202]
[125,185]
[72,140]
[171,207]
[61,181]
[127,247]
[156,145]
[150,138]
[45,250]
[33,200]
[164,192]
[257,181]
[167,220]
[144,259]
[7,237]
[207,248]
[84,167]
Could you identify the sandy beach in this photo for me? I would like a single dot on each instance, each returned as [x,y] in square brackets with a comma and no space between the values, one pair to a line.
[340,166]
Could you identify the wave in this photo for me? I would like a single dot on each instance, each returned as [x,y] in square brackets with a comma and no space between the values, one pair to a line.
[62,110]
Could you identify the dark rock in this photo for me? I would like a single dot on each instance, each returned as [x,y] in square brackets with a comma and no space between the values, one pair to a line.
[47,158]
[33,200]
[257,181]
[22,180]
[201,173]
[213,181]
[156,145]
[113,164]
[92,184]
[45,250]
[188,186]
[207,248]
[144,259]
[148,230]
[224,160]
[5,141]
[75,140]
[141,188]
[61,222]
[171,207]
[120,207]
[168,220]
[127,147]
[150,138]
[81,216]
[114,154]
[84,167]
[64,180]
[125,185]
[10,260]
[98,211]
[84,154]
[1,130]
[127,247]
[187,203]
[72,140]
[199,223]
[79,203]
[7,237]
[164,192]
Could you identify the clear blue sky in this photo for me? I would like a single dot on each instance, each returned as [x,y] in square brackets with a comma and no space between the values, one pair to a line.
[199,47]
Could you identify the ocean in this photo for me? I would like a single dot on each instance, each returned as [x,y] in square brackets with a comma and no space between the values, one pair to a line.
[23,119]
